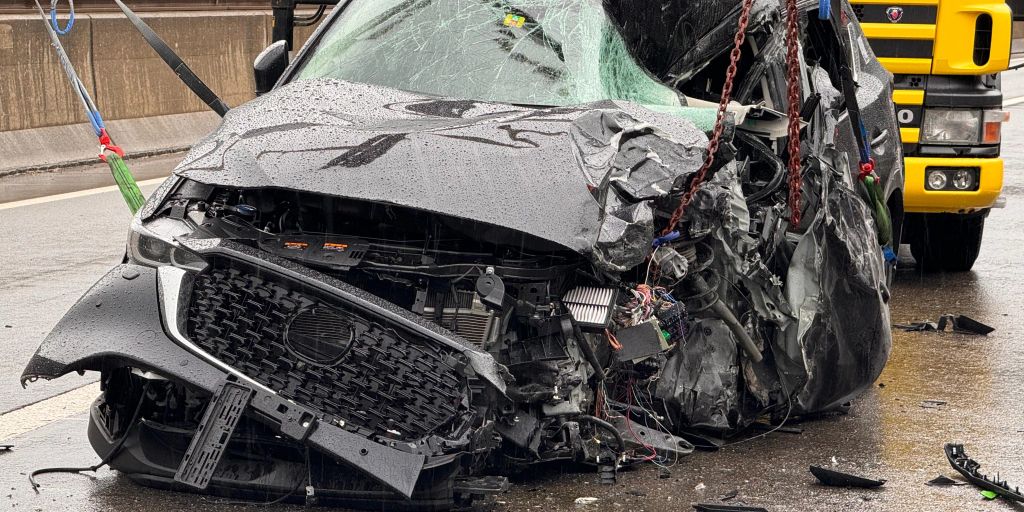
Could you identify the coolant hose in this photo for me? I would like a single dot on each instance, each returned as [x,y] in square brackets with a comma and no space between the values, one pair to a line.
[742,338]
[723,312]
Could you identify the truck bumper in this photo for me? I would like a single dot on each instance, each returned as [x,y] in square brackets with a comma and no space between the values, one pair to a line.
[919,200]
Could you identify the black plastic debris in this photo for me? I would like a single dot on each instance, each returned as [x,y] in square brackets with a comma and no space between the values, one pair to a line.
[957,323]
[764,427]
[710,507]
[6,447]
[730,495]
[925,326]
[839,479]
[963,324]
[969,468]
[944,481]
[932,403]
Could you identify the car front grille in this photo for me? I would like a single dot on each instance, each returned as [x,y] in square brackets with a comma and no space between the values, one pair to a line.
[324,355]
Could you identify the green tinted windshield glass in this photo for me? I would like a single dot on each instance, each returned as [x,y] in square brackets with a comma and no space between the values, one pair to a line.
[535,52]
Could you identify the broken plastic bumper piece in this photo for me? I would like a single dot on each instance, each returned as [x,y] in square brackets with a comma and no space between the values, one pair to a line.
[970,469]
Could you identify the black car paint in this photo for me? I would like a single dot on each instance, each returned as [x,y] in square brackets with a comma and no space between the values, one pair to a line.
[352,148]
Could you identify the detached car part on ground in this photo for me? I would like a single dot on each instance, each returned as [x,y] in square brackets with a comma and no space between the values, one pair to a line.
[383,296]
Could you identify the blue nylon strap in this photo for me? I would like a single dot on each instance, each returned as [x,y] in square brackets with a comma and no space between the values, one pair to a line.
[824,9]
[865,151]
[53,19]
[97,122]
[662,240]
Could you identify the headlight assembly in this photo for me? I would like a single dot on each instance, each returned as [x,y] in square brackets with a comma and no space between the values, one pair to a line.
[152,244]
[942,126]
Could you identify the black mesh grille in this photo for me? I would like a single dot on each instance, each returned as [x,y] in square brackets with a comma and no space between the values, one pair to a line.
[383,383]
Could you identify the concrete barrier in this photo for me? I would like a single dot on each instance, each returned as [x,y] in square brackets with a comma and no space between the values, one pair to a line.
[56,147]
[132,81]
[33,89]
[147,108]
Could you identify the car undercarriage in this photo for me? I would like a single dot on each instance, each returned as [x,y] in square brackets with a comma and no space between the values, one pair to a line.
[355,294]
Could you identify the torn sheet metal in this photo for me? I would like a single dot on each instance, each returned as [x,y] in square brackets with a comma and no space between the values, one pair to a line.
[836,286]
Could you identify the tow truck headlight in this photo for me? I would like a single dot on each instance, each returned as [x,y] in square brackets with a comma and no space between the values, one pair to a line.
[937,180]
[956,179]
[963,179]
[943,126]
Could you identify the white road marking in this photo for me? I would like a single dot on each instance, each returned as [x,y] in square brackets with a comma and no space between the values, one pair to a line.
[1013,101]
[40,414]
[72,195]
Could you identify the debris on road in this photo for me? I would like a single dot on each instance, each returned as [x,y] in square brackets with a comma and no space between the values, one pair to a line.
[944,481]
[957,323]
[6,447]
[970,469]
[730,495]
[932,403]
[586,501]
[835,478]
[713,507]
[782,429]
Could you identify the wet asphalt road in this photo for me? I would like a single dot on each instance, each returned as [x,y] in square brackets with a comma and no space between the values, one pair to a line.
[53,251]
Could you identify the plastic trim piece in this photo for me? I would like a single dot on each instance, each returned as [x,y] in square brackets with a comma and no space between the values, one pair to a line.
[969,468]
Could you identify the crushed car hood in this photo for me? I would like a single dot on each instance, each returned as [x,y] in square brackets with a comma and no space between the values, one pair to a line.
[541,171]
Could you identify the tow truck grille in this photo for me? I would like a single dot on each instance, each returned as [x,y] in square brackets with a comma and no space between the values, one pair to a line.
[377,381]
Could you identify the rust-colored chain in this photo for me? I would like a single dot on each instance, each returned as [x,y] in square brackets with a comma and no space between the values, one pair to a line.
[716,134]
[793,83]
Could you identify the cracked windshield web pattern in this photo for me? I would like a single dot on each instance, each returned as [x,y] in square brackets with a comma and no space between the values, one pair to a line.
[509,52]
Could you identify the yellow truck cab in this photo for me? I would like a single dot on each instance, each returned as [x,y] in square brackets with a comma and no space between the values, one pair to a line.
[945,56]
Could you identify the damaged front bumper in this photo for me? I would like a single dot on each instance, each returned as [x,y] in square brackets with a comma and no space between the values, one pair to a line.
[122,324]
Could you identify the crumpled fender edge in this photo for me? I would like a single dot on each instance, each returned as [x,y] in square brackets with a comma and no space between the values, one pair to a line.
[118,321]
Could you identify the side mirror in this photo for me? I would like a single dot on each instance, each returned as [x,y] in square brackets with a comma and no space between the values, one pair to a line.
[269,66]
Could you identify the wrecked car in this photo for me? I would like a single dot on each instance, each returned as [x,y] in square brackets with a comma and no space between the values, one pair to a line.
[448,245]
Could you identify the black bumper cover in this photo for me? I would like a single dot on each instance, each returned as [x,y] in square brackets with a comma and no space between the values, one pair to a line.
[117,323]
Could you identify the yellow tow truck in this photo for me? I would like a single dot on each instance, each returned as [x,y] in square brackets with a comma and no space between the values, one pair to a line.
[946,56]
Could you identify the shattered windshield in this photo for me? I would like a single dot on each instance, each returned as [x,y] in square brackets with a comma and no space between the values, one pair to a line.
[532,52]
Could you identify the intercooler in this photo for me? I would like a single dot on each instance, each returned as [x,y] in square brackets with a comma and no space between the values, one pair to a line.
[321,354]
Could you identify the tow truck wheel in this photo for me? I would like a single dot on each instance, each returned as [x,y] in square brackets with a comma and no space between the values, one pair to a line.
[948,242]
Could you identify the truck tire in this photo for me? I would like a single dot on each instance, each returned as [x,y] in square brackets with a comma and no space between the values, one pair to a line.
[948,242]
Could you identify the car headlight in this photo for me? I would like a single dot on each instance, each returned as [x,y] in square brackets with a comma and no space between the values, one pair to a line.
[152,244]
[943,126]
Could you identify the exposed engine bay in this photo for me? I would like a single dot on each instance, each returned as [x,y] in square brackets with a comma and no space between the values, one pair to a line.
[411,337]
